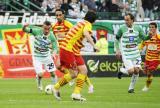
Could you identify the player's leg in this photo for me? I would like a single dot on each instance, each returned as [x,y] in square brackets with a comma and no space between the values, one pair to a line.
[80,62]
[68,65]
[125,70]
[135,74]
[62,82]
[57,63]
[148,82]
[149,78]
[81,78]
[150,67]
[134,79]
[90,85]
[39,72]
[128,70]
[51,68]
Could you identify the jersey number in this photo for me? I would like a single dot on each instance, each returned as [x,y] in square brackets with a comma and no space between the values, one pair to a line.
[51,66]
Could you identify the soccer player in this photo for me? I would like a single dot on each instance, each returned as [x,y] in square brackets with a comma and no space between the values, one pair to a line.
[70,56]
[127,46]
[152,56]
[60,29]
[45,43]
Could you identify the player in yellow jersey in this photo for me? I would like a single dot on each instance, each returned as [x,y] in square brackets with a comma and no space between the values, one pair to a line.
[60,29]
[152,56]
[70,58]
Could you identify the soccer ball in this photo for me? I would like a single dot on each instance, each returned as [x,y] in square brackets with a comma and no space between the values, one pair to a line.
[48,89]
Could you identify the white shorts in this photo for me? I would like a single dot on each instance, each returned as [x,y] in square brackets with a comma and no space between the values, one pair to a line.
[129,64]
[41,64]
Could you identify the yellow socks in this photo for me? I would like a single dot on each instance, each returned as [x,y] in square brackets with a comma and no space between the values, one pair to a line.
[88,82]
[79,83]
[149,81]
[63,81]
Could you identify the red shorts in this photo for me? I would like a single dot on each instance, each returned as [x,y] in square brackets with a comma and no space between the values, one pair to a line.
[151,65]
[69,60]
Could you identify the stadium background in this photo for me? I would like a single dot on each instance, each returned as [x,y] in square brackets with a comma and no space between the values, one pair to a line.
[16,46]
[18,87]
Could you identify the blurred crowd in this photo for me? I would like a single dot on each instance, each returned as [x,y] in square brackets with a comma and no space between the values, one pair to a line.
[142,9]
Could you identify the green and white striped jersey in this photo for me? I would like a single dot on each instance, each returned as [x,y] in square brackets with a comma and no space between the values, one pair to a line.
[129,39]
[43,45]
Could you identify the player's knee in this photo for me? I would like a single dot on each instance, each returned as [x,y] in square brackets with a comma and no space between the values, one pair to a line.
[137,70]
[131,71]
[73,74]
[40,74]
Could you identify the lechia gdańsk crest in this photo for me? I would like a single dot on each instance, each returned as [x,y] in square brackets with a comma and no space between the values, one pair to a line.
[17,41]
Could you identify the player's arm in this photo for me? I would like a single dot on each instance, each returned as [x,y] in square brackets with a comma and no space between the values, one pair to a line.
[143,36]
[55,45]
[141,45]
[158,37]
[117,42]
[33,30]
[118,36]
[27,29]
[87,34]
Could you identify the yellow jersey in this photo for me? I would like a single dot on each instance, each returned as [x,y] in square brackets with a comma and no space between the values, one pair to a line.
[60,30]
[74,38]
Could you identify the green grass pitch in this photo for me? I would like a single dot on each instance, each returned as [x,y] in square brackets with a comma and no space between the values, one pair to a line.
[109,93]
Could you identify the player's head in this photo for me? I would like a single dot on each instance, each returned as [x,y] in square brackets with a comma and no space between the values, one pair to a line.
[46,27]
[90,16]
[59,13]
[129,19]
[153,27]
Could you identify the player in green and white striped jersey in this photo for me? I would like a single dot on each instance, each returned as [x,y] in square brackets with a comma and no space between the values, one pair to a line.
[128,37]
[45,44]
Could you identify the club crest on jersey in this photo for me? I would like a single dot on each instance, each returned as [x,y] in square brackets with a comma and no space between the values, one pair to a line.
[131,39]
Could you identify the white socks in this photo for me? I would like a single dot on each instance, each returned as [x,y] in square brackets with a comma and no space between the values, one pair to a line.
[133,81]
[54,79]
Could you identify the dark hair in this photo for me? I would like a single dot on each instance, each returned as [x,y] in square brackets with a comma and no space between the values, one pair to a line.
[90,16]
[48,23]
[63,12]
[153,23]
[131,16]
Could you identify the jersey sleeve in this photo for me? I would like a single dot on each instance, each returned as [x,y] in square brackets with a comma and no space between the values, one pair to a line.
[68,24]
[87,28]
[32,30]
[53,25]
[142,35]
[158,36]
[54,43]
[119,34]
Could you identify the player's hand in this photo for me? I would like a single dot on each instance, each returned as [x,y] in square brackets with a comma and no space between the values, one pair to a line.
[26,25]
[118,54]
[96,48]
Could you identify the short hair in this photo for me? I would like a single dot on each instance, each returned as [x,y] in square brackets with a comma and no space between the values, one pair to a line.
[63,12]
[131,16]
[90,16]
[48,23]
[153,23]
